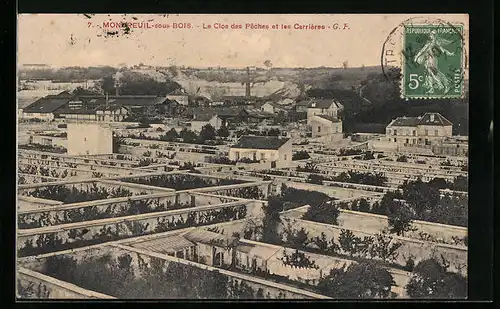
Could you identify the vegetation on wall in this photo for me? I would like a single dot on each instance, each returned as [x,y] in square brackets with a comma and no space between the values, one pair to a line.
[75,195]
[182,182]
[78,237]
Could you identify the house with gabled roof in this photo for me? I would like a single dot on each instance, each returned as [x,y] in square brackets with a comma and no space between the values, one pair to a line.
[179,95]
[428,129]
[329,107]
[45,108]
[273,149]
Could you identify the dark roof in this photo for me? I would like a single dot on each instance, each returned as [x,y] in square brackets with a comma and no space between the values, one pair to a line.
[328,117]
[126,100]
[305,102]
[438,120]
[64,94]
[405,121]
[178,91]
[260,142]
[47,104]
[204,117]
[80,111]
[322,103]
[112,107]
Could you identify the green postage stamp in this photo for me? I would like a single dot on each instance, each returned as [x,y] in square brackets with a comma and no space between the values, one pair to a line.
[433,61]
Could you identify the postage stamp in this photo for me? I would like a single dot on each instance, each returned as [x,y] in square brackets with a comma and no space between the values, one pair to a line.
[433,61]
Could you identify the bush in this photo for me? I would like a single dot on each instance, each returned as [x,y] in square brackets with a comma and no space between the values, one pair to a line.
[300,155]
[402,158]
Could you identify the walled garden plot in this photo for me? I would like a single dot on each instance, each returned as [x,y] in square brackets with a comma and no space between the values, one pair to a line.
[64,236]
[129,273]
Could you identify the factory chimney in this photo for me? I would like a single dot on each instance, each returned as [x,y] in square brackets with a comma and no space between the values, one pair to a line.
[247,84]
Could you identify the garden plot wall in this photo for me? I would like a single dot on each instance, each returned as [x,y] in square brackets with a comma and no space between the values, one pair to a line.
[124,167]
[26,179]
[116,250]
[38,286]
[73,235]
[258,190]
[33,203]
[337,192]
[109,186]
[374,223]
[456,255]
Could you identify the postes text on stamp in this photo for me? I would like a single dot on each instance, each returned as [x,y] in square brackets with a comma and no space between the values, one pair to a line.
[433,61]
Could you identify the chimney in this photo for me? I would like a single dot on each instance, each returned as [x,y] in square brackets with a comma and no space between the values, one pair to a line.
[247,84]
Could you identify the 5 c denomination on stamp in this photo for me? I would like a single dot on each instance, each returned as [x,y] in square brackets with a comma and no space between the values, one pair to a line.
[433,61]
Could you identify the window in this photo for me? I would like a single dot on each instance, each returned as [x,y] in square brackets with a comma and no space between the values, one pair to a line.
[319,129]
[407,141]
[436,133]
[84,139]
[395,132]
[395,140]
[285,158]
[389,131]
[237,155]
[414,133]
[262,156]
[426,132]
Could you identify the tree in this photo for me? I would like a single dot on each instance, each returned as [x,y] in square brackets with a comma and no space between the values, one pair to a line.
[348,242]
[364,206]
[358,280]
[207,133]
[268,64]
[400,218]
[385,248]
[431,279]
[298,259]
[223,132]
[170,135]
[188,136]
[271,220]
[325,212]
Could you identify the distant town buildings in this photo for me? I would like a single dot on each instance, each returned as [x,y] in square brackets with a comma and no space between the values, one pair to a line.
[275,150]
[89,139]
[202,120]
[180,96]
[429,129]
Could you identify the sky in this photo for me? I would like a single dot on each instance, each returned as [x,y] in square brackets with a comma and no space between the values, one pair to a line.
[76,40]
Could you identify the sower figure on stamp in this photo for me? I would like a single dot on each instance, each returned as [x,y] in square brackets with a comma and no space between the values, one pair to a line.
[428,57]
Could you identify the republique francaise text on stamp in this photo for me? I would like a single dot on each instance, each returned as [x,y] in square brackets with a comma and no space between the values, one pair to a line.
[433,61]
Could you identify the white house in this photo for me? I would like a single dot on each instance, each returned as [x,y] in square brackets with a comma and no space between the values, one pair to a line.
[180,96]
[329,107]
[323,125]
[273,149]
[201,120]
[429,129]
[89,139]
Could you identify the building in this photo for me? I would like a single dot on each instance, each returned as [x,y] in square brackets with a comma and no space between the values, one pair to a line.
[89,139]
[429,129]
[201,120]
[273,149]
[180,96]
[323,125]
[45,108]
[329,107]
[111,113]
[272,108]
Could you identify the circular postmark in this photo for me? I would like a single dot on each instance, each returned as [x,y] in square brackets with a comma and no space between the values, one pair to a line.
[427,57]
